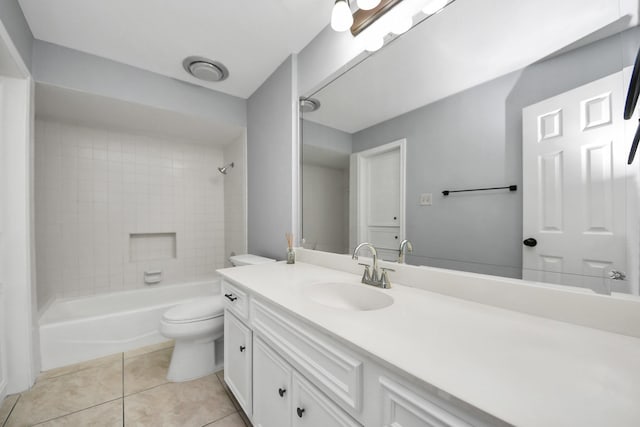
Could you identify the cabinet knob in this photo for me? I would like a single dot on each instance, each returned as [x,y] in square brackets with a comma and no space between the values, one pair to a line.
[531,242]
[242,348]
[300,411]
[395,217]
[231,297]
[282,391]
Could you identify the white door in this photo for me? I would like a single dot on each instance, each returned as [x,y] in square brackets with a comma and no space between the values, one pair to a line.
[574,178]
[271,386]
[380,195]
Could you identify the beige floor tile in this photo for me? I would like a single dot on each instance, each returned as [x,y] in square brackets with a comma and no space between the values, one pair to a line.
[228,391]
[146,371]
[192,403]
[65,394]
[106,415]
[148,349]
[233,420]
[64,370]
[7,406]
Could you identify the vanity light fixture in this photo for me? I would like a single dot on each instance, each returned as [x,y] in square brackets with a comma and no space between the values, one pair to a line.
[367,4]
[341,17]
[371,26]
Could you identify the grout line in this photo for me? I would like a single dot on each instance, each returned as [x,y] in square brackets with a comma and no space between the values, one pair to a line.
[221,418]
[75,412]
[147,353]
[4,423]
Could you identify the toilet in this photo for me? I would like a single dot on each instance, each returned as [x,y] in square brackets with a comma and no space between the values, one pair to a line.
[195,326]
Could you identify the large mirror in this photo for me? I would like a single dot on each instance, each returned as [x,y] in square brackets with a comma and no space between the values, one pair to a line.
[525,97]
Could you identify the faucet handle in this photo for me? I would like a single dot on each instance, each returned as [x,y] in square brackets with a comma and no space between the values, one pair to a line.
[385,283]
[366,276]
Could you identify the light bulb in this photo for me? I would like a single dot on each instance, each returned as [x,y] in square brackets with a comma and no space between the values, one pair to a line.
[341,18]
[434,6]
[401,25]
[367,4]
[373,44]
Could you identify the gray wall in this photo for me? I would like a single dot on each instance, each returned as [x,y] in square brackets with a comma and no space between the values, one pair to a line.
[72,69]
[271,157]
[474,139]
[326,137]
[14,21]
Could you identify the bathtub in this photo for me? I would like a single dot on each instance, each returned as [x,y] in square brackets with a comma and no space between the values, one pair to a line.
[74,330]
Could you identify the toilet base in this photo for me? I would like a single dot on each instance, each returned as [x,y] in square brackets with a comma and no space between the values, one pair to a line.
[193,359]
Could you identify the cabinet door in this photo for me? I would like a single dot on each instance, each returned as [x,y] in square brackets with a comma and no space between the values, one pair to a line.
[237,359]
[271,386]
[311,408]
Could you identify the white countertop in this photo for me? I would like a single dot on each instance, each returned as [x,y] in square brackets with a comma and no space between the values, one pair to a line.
[523,369]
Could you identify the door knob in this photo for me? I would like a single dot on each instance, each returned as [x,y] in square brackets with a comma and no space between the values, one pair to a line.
[531,242]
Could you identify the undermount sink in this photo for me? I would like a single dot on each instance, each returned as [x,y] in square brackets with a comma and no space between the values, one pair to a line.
[348,296]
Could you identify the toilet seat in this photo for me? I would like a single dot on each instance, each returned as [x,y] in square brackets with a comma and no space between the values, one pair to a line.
[195,311]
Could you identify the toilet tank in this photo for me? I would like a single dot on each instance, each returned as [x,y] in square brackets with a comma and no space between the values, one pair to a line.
[248,259]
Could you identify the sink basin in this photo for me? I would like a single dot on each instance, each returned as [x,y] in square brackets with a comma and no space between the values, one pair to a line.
[348,296]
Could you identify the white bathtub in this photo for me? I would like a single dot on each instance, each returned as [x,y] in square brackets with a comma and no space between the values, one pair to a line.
[74,330]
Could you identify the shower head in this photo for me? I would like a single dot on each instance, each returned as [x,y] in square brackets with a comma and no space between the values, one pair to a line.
[223,169]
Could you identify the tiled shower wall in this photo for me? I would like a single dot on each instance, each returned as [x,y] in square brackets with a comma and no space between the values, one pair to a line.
[235,199]
[94,188]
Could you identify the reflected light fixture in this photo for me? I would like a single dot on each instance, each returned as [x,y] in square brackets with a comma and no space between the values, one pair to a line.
[434,6]
[376,19]
[341,17]
[367,4]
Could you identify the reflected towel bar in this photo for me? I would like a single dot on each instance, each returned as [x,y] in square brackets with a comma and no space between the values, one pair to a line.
[510,188]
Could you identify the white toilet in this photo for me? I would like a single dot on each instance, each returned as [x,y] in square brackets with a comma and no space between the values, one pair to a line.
[195,326]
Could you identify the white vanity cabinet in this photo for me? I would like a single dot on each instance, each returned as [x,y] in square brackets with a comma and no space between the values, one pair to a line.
[286,373]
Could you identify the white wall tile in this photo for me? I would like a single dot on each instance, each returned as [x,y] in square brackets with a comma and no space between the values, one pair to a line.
[95,187]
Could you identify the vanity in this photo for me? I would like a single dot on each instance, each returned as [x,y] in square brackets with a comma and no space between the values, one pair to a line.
[310,345]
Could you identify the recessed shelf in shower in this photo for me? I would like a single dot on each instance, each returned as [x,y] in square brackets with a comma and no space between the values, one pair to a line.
[152,246]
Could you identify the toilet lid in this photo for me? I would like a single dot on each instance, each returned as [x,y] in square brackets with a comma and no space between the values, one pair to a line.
[194,311]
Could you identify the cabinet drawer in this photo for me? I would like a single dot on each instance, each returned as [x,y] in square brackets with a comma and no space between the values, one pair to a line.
[334,369]
[385,237]
[312,408]
[271,386]
[237,359]
[235,300]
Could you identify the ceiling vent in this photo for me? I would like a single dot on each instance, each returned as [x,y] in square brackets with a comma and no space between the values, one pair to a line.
[205,69]
[308,105]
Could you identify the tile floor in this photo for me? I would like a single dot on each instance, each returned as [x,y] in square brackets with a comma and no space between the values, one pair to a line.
[126,389]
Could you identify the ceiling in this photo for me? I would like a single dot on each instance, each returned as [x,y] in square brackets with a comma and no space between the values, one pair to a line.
[251,37]
[91,110]
[469,43]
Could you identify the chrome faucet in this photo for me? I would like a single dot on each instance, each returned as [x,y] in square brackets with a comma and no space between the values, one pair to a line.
[405,247]
[374,277]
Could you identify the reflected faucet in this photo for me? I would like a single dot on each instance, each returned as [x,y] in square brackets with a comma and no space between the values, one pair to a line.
[374,278]
[405,247]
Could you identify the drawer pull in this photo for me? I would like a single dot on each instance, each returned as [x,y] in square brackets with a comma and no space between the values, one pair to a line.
[282,391]
[300,411]
[242,348]
[231,297]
